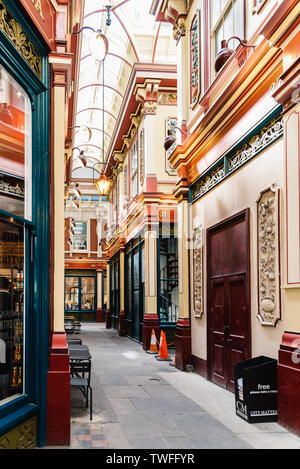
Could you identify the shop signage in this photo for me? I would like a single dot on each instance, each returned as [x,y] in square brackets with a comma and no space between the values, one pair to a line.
[43,14]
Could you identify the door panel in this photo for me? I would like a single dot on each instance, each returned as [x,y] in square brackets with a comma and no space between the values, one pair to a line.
[238,324]
[229,331]
[136,296]
[217,333]
[228,298]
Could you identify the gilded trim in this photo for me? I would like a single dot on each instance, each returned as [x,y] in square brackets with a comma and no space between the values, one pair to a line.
[237,158]
[21,437]
[14,32]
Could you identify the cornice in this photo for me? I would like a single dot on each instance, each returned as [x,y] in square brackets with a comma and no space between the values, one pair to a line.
[245,83]
[262,62]
[287,90]
[139,74]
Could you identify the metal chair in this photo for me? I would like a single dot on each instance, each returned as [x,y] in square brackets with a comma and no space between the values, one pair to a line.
[81,378]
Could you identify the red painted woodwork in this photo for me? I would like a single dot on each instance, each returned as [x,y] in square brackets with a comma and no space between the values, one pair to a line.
[122,324]
[58,393]
[99,315]
[288,381]
[108,319]
[200,366]
[228,298]
[183,353]
[151,321]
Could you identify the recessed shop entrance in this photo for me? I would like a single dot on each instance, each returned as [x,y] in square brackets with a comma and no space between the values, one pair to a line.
[228,295]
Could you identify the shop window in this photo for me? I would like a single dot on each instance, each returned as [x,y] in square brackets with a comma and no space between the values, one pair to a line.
[80,296]
[135,286]
[134,169]
[87,293]
[15,200]
[168,279]
[15,148]
[227,20]
[11,308]
[80,238]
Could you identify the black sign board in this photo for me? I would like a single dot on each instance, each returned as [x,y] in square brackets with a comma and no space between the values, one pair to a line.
[256,389]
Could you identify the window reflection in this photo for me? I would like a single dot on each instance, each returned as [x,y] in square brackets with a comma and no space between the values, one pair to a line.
[11,308]
[15,148]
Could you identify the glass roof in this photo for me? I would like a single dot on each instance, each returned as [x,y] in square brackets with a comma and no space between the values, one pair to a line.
[133,36]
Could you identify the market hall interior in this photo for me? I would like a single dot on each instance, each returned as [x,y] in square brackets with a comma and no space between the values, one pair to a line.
[149,200]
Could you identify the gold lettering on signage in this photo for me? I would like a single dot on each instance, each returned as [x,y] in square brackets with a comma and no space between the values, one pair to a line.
[38,6]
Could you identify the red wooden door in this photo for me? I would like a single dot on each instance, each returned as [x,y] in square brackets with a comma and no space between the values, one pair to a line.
[228,299]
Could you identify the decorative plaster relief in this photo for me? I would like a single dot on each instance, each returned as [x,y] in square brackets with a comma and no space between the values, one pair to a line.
[268,256]
[171,124]
[230,163]
[195,60]
[142,162]
[211,180]
[125,179]
[167,98]
[179,30]
[256,144]
[197,272]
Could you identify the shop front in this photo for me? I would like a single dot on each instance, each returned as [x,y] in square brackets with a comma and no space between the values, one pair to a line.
[24,229]
[81,295]
[135,287]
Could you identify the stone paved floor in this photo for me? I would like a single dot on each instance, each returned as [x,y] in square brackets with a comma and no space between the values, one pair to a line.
[140,402]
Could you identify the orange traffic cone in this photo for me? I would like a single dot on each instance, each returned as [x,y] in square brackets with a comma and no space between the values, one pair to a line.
[174,362]
[160,343]
[153,346]
[163,354]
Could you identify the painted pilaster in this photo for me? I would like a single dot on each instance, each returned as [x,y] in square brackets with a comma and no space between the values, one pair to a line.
[99,296]
[183,326]
[58,380]
[108,319]
[122,328]
[181,39]
[151,319]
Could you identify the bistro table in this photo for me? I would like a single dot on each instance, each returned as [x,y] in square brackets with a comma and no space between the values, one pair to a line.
[79,352]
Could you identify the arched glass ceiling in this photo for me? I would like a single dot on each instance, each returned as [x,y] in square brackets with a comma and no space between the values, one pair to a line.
[133,36]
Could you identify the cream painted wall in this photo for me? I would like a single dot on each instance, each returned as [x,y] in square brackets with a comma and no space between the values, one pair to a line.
[233,195]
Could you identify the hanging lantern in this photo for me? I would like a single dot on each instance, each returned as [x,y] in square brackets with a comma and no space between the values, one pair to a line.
[103,185]
[98,45]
